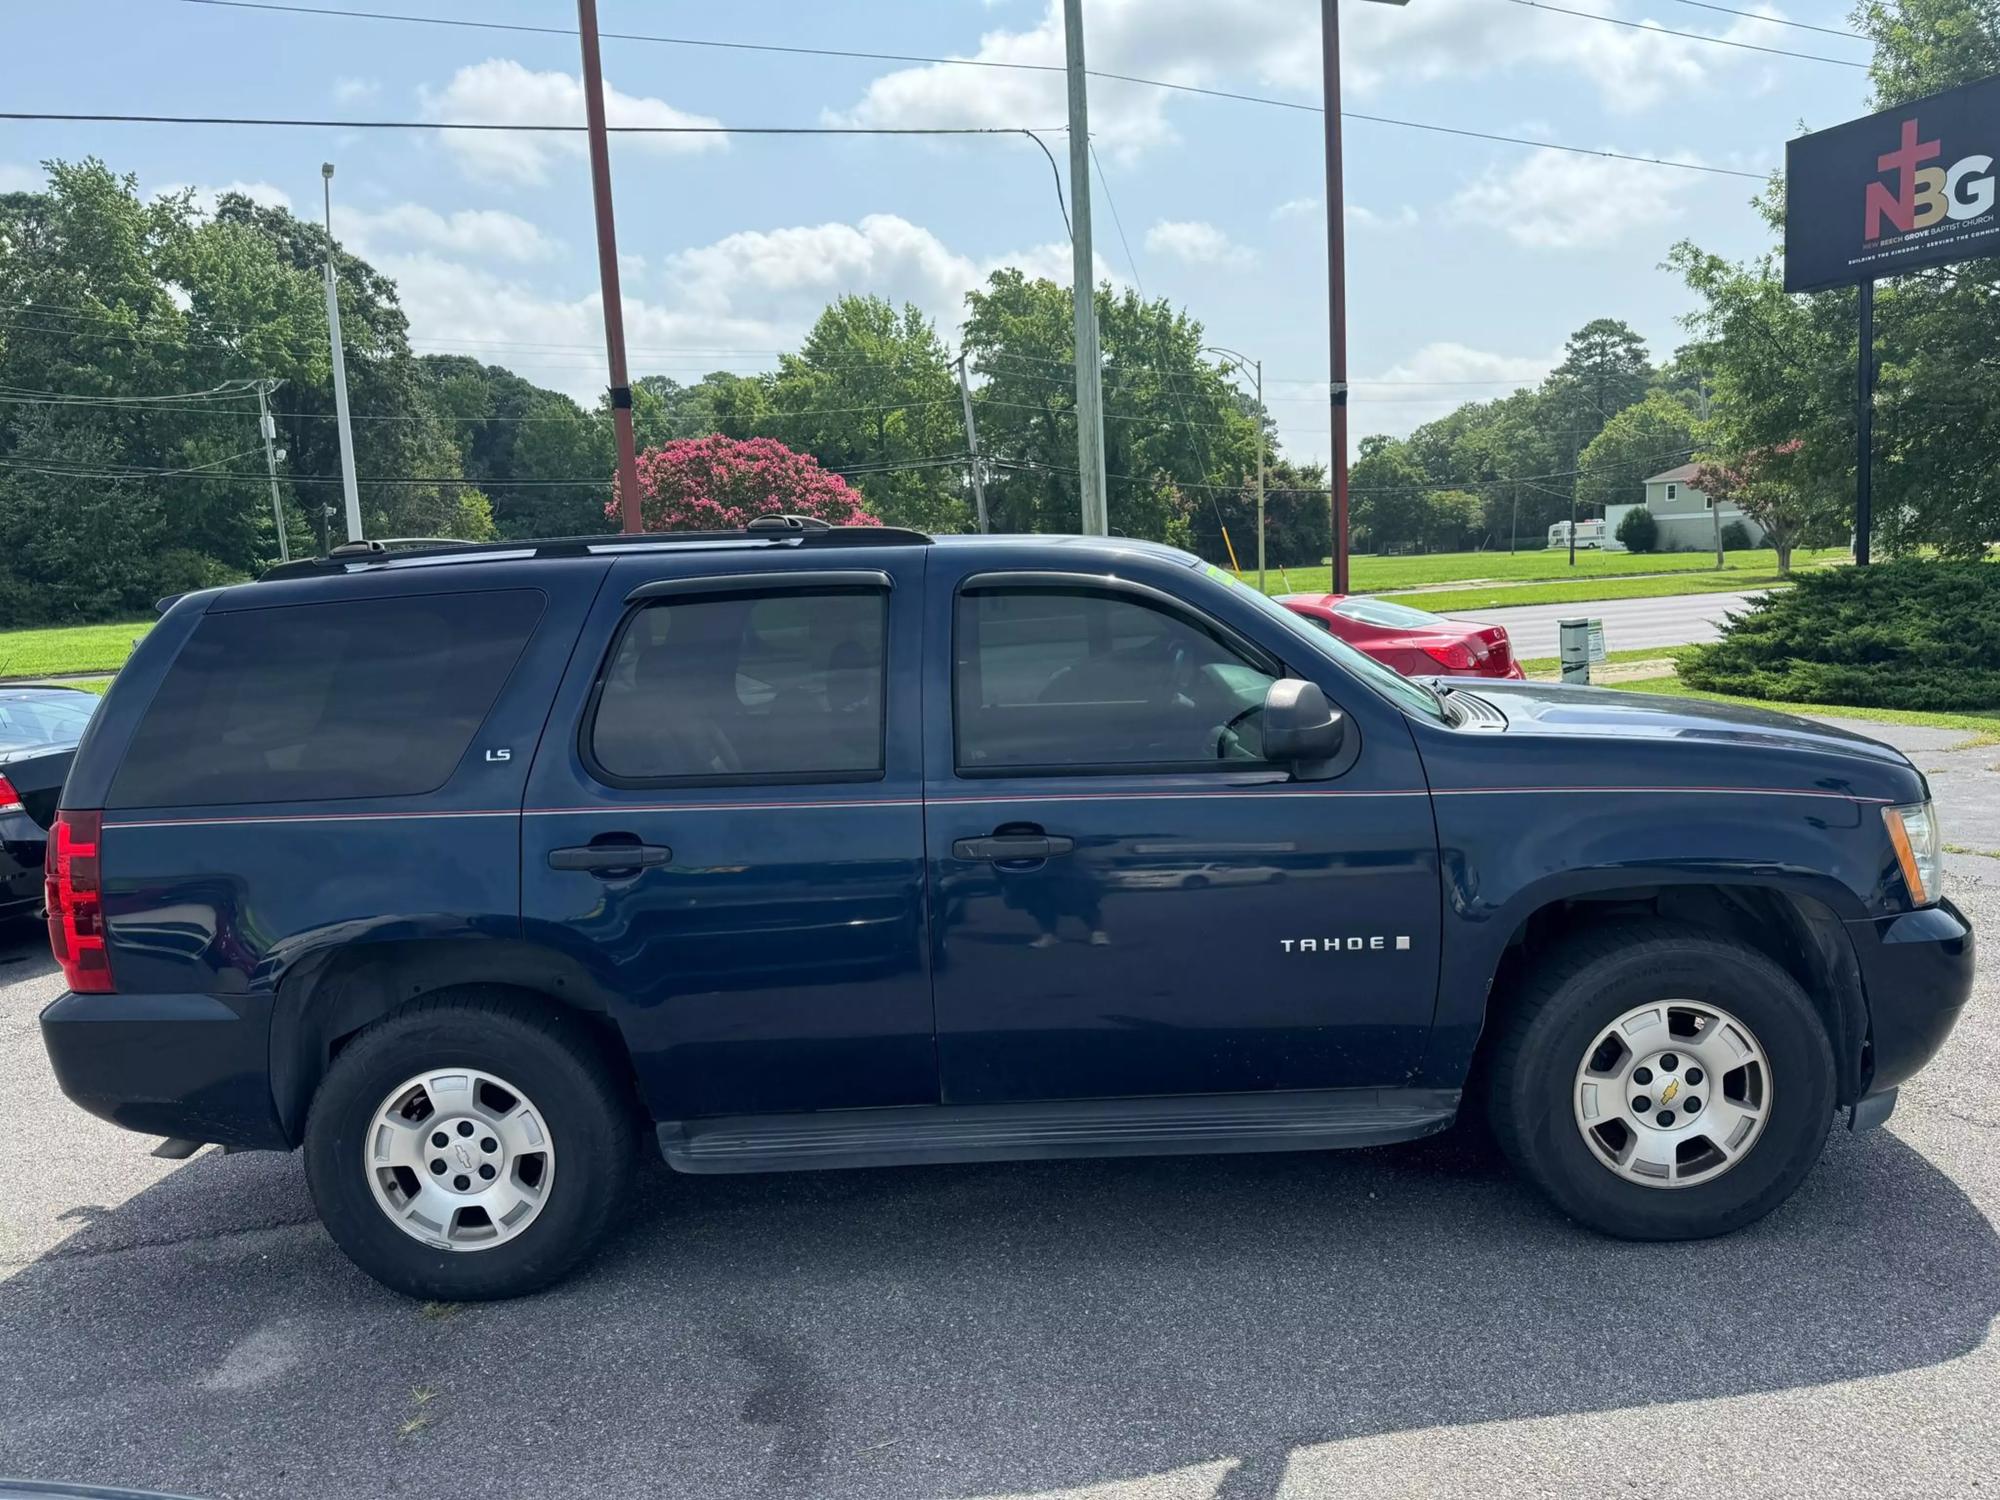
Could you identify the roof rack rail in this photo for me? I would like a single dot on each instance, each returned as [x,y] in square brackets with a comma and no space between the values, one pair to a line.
[767,530]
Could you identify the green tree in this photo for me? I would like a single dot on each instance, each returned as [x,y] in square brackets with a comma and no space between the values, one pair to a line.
[871,390]
[1388,495]
[1653,434]
[1177,434]
[1452,520]
[1781,434]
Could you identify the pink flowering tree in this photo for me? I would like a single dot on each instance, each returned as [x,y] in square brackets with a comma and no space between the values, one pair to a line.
[717,483]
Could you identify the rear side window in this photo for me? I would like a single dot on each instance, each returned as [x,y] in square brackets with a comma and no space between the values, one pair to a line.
[775,687]
[319,702]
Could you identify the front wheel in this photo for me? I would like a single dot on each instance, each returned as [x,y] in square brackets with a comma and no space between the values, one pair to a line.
[470,1147]
[1661,1083]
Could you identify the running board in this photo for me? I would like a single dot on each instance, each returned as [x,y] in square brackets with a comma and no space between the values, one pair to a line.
[925,1134]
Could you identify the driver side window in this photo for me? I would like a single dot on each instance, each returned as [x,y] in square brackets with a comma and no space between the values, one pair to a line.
[1047,679]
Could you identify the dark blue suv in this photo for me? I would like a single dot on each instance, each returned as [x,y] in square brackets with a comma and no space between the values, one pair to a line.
[464,867]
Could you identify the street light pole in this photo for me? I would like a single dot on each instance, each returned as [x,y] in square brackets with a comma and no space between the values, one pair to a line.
[349,487]
[607,265]
[1083,287]
[1256,365]
[1336,277]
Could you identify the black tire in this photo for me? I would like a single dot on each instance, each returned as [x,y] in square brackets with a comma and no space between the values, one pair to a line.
[1587,983]
[555,1061]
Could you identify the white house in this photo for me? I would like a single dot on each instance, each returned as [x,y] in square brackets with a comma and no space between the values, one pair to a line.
[1687,517]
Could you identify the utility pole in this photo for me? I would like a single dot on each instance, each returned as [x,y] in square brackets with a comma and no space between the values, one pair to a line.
[269,428]
[349,489]
[1260,476]
[607,264]
[972,444]
[1336,283]
[1714,508]
[1083,288]
[1256,366]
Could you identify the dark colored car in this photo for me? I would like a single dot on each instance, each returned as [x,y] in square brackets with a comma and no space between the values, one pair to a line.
[1415,642]
[467,868]
[39,728]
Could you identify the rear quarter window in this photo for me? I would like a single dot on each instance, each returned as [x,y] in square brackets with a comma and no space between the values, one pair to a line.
[324,702]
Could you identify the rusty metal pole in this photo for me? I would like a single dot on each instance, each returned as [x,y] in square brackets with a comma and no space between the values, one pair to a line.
[1336,284]
[607,265]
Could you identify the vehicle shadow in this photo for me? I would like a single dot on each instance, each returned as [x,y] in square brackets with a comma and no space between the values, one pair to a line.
[956,1331]
[24,949]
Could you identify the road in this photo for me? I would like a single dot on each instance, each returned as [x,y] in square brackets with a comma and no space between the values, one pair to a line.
[1676,620]
[1402,1322]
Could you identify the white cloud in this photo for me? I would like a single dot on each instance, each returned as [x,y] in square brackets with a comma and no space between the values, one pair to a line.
[1296,208]
[1436,379]
[1274,45]
[355,90]
[1559,201]
[751,292]
[265,193]
[1360,216]
[485,232]
[501,91]
[15,178]
[1197,242]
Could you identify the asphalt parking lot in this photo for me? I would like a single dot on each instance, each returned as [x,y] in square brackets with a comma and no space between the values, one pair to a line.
[1409,1321]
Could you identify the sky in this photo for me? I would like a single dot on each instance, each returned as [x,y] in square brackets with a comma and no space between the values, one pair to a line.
[1468,261]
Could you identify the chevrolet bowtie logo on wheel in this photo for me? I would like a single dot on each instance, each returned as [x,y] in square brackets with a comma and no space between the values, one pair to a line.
[1667,1094]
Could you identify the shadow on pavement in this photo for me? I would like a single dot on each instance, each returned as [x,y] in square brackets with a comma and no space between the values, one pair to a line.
[953,1331]
[24,949]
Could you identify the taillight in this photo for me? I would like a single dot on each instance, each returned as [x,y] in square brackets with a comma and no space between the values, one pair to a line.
[1455,656]
[10,800]
[76,901]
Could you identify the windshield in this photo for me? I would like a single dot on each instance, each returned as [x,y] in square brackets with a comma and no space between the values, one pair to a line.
[31,720]
[1403,692]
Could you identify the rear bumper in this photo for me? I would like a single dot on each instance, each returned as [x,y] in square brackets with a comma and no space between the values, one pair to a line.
[22,844]
[1916,970]
[195,1067]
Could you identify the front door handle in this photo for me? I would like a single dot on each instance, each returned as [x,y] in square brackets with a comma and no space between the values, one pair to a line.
[1012,846]
[608,859]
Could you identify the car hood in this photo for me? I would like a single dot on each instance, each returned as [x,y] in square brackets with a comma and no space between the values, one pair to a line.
[1541,708]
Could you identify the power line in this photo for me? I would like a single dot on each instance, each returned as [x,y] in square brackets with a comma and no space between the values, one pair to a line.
[1692,36]
[1751,15]
[1479,135]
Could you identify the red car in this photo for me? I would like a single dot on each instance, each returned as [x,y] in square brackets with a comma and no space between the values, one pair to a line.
[1415,643]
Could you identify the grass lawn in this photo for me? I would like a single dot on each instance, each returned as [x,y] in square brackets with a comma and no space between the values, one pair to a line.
[1382,574]
[1983,724]
[68,648]
[1584,590]
[1550,665]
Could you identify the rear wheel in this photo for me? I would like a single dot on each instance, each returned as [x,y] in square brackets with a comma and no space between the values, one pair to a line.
[470,1147]
[1661,1083]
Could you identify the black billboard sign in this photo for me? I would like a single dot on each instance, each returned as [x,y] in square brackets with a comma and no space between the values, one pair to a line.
[1912,186]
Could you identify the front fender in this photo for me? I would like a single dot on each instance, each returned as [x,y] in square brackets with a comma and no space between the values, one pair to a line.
[1503,856]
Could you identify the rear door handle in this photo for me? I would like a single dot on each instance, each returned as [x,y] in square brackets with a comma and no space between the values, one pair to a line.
[604,859]
[1010,846]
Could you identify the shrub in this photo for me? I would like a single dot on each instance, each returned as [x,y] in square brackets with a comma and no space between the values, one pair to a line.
[1639,531]
[1916,635]
[1736,537]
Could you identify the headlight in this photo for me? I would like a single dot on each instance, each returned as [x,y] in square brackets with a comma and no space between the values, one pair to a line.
[1913,830]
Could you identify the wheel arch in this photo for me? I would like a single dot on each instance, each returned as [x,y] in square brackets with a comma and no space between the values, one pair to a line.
[328,997]
[1796,929]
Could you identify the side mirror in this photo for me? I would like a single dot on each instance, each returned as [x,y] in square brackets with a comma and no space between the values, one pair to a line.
[1300,727]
